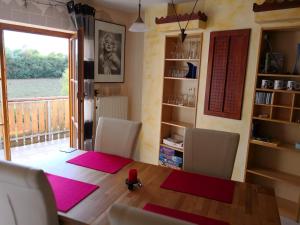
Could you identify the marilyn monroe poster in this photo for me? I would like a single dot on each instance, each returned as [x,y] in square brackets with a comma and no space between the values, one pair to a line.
[109,52]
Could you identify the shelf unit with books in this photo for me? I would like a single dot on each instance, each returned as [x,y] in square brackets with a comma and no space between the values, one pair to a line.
[180,93]
[273,159]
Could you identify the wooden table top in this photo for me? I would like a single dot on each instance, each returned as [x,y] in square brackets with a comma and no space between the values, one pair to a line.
[252,205]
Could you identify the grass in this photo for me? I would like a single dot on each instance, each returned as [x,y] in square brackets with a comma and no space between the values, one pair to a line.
[28,88]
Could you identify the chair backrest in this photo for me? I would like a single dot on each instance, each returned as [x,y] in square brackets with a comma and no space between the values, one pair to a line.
[116,136]
[125,215]
[210,152]
[26,197]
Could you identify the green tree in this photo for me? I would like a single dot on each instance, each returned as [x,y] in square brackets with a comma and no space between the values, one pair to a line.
[31,64]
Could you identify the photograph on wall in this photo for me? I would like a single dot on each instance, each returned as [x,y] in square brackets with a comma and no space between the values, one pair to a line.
[109,52]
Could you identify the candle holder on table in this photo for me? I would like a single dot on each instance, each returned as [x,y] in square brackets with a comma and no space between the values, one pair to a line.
[132,181]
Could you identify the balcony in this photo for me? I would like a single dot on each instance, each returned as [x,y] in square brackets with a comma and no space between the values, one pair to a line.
[36,124]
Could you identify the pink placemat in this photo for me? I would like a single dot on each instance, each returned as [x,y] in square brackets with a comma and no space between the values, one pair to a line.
[100,161]
[67,192]
[200,185]
[189,217]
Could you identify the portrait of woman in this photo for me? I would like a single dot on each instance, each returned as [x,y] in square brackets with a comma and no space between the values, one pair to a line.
[109,54]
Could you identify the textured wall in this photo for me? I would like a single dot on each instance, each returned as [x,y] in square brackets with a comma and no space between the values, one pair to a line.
[222,15]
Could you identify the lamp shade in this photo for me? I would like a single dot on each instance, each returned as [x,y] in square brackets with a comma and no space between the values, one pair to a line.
[138,26]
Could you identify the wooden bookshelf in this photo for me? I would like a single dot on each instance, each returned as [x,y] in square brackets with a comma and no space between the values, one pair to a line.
[281,146]
[275,121]
[276,118]
[179,106]
[178,124]
[175,118]
[287,76]
[275,90]
[181,78]
[270,105]
[184,60]
[276,175]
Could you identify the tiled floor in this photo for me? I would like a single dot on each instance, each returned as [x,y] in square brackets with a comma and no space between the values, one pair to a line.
[37,151]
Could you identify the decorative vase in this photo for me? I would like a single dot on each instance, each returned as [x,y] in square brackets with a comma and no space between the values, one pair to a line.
[192,73]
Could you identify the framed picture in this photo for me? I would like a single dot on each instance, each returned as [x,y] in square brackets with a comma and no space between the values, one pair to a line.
[109,52]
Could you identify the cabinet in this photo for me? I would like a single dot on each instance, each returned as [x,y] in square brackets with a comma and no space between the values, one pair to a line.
[180,92]
[227,61]
[273,159]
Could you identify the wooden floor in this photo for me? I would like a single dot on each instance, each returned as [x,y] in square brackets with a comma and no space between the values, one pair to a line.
[33,153]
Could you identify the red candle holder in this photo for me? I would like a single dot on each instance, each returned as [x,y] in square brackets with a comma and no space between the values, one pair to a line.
[132,181]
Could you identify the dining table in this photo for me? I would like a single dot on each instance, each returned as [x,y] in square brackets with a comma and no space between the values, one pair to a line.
[251,205]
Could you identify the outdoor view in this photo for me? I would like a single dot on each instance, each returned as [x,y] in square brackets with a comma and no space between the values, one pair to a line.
[37,86]
[36,65]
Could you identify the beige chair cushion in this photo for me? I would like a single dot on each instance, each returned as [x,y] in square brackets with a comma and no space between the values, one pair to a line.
[26,197]
[125,215]
[116,136]
[210,152]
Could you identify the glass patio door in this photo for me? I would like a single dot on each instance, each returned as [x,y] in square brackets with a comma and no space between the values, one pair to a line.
[4,122]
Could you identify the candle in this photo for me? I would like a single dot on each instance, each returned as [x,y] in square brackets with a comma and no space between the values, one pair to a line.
[132,176]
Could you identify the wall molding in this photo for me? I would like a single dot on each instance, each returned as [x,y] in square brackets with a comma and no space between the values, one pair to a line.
[269,6]
[185,17]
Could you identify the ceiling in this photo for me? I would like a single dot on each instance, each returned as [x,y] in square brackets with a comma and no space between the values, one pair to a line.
[132,5]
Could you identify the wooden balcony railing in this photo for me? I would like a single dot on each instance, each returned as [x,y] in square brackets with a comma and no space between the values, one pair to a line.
[34,120]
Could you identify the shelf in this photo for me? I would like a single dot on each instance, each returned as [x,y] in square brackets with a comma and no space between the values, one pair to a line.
[281,146]
[276,121]
[280,91]
[174,148]
[183,60]
[180,78]
[277,106]
[287,208]
[178,124]
[179,106]
[278,75]
[276,175]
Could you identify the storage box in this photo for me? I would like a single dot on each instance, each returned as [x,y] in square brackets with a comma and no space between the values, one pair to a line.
[170,157]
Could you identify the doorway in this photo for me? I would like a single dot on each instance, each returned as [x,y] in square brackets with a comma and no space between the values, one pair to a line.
[37,67]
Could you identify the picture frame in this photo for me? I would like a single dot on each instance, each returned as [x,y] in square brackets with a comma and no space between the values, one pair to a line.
[109,52]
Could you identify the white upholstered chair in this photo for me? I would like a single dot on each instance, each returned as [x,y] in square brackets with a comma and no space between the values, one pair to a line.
[125,215]
[116,136]
[26,197]
[210,152]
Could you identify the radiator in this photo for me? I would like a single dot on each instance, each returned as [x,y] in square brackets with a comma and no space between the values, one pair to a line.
[112,106]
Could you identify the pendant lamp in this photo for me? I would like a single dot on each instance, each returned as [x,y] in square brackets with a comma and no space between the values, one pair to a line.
[138,25]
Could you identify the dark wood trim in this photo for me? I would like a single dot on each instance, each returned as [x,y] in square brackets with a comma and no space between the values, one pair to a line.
[34,30]
[185,17]
[80,88]
[70,64]
[6,136]
[269,6]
